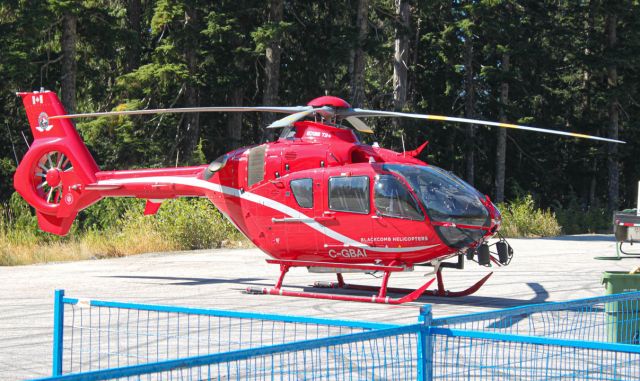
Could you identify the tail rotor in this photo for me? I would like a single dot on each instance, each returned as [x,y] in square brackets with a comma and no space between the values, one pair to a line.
[53,173]
[48,176]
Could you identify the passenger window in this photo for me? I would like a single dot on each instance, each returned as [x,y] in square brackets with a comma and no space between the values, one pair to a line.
[393,199]
[349,194]
[303,192]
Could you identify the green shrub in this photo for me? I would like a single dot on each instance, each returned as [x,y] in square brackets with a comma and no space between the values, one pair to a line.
[188,223]
[107,213]
[575,219]
[520,218]
[114,228]
[20,215]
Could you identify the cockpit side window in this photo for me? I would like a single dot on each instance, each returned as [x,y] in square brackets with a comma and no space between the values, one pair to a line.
[349,194]
[393,199]
[447,199]
[303,192]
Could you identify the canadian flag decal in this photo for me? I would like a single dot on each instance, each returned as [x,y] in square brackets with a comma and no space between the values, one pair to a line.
[37,99]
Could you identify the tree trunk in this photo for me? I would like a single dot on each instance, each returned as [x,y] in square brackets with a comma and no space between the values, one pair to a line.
[401,54]
[272,68]
[593,184]
[234,124]
[69,63]
[357,76]
[133,46]
[192,120]
[501,146]
[469,109]
[589,28]
[611,21]
[411,77]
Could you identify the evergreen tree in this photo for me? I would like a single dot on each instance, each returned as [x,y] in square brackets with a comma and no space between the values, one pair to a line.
[563,65]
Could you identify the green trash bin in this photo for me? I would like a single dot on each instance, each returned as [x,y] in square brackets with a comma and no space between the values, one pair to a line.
[622,318]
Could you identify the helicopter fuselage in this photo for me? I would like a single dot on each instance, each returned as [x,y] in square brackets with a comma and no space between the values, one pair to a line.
[317,194]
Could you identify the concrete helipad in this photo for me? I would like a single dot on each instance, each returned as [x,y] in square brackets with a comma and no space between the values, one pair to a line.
[542,270]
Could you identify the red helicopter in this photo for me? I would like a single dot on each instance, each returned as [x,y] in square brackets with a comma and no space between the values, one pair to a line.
[315,198]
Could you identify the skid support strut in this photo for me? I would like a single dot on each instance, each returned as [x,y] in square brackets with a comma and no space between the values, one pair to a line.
[441,291]
[381,296]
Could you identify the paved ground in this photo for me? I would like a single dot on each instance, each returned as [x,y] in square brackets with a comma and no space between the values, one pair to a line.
[542,270]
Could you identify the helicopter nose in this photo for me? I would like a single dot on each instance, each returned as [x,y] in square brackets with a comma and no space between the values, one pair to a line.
[494,215]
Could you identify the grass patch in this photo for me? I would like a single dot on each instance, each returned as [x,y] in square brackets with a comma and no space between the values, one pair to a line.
[115,228]
[520,218]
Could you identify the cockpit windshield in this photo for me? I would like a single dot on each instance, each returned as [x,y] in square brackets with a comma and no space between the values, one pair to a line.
[447,198]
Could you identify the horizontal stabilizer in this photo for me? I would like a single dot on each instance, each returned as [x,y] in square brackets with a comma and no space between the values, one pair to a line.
[152,207]
[99,187]
[55,225]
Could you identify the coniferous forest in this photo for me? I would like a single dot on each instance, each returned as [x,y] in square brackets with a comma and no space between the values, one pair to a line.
[566,65]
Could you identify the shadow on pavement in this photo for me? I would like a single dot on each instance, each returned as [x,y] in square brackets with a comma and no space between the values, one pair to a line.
[584,238]
[541,295]
[181,281]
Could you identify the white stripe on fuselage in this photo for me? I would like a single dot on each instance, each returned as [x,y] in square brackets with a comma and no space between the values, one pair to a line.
[269,203]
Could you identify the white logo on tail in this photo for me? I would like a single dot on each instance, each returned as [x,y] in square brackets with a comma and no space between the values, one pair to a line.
[43,123]
[37,99]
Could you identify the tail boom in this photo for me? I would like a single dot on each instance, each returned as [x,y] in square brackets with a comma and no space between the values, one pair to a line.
[59,177]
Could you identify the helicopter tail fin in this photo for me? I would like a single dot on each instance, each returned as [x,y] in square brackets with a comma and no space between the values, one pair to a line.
[57,166]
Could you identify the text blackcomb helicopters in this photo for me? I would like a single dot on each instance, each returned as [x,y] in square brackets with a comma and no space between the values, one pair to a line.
[315,198]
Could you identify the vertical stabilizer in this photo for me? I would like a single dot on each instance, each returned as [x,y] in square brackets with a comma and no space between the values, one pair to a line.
[52,174]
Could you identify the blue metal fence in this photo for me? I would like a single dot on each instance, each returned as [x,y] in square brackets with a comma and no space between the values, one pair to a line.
[377,354]
[584,339]
[94,334]
[612,318]
[468,355]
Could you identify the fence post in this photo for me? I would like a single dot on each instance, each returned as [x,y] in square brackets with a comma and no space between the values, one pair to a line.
[425,345]
[58,330]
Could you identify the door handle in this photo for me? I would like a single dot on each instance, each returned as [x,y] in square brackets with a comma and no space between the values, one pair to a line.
[320,219]
[292,219]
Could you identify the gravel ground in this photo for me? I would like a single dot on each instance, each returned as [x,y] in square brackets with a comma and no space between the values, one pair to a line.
[542,270]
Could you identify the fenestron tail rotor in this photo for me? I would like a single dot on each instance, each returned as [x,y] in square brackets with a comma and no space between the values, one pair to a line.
[47,176]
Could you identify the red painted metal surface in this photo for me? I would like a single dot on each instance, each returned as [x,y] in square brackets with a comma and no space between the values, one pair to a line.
[337,265]
[329,100]
[266,210]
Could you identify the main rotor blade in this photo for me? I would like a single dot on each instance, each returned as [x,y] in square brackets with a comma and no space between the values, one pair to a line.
[284,110]
[375,113]
[359,125]
[289,120]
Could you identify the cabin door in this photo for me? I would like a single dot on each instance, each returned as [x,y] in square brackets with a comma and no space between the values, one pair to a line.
[346,214]
[303,193]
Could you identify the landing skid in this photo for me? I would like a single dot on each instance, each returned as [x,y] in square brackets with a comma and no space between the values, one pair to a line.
[380,297]
[441,291]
